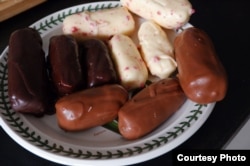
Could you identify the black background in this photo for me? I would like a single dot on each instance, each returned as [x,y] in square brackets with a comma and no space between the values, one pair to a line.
[226,22]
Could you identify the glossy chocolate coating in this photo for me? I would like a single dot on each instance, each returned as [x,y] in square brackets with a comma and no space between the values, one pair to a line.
[28,85]
[91,107]
[64,64]
[201,74]
[99,66]
[149,108]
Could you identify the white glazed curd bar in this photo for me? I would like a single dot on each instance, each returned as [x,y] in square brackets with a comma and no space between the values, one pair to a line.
[169,14]
[131,68]
[156,50]
[102,23]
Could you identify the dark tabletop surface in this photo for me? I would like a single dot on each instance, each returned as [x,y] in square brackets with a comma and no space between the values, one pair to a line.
[226,22]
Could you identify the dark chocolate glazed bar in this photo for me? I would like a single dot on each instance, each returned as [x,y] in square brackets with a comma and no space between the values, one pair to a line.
[64,64]
[28,85]
[98,63]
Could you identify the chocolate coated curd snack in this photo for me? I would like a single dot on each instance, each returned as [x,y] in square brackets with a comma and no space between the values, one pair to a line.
[98,63]
[129,64]
[156,49]
[28,82]
[102,23]
[65,68]
[201,74]
[149,108]
[169,14]
[90,108]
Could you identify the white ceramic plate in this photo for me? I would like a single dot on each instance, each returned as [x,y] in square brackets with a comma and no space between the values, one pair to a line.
[97,146]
